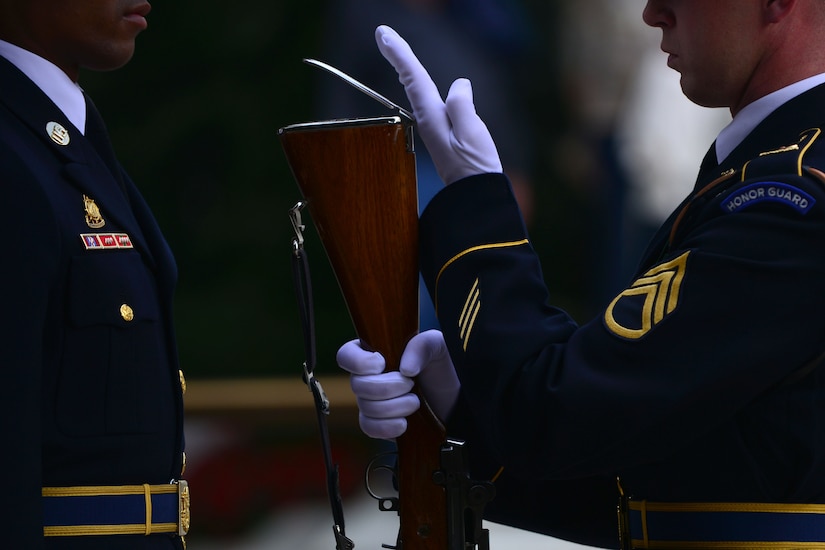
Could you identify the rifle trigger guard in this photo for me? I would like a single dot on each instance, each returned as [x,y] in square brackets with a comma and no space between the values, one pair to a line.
[385,504]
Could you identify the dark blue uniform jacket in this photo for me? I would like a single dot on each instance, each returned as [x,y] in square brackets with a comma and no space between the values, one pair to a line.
[90,391]
[699,382]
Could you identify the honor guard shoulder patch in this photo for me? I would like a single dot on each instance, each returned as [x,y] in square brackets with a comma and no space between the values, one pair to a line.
[651,298]
[768,191]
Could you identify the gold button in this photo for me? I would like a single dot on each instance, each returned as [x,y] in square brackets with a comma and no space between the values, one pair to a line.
[126,312]
[182,382]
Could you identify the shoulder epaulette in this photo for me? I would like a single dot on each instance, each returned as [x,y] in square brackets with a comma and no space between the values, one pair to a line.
[786,160]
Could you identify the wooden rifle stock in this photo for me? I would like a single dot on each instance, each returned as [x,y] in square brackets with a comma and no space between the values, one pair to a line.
[358,179]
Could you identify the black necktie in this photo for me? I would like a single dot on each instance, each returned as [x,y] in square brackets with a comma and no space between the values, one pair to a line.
[709,163]
[98,136]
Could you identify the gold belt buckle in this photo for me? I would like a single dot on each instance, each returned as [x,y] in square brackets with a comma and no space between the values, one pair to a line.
[183,507]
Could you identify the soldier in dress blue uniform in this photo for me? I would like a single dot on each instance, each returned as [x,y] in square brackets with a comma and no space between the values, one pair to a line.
[90,390]
[697,396]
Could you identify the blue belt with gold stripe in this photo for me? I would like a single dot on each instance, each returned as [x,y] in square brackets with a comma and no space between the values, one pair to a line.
[722,525]
[116,510]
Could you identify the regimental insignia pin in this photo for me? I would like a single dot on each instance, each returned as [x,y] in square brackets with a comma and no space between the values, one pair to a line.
[58,133]
[93,217]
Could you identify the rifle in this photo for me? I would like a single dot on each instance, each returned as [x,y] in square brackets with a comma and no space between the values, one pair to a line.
[357,176]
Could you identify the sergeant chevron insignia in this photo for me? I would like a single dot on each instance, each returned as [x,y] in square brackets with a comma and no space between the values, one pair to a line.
[650,299]
[469,313]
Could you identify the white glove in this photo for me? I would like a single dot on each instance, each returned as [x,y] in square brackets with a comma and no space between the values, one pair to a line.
[455,136]
[384,398]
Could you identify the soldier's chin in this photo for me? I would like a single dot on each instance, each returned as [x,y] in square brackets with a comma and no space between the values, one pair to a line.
[112,59]
[702,95]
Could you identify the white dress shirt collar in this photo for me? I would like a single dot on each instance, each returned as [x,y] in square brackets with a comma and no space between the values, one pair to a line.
[749,118]
[65,93]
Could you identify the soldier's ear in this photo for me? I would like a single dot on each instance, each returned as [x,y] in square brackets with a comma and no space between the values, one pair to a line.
[776,10]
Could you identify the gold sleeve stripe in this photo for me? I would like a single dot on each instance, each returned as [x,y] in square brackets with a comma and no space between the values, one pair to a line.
[469,251]
[471,297]
[468,315]
[476,309]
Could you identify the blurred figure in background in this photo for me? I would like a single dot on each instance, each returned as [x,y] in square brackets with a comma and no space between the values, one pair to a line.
[622,155]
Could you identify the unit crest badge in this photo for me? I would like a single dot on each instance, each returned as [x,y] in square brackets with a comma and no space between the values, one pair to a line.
[93,217]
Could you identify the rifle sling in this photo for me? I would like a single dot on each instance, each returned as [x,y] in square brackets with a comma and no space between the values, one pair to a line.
[303,290]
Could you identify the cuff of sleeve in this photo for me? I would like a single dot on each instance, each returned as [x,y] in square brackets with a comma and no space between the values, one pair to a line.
[461,424]
[473,211]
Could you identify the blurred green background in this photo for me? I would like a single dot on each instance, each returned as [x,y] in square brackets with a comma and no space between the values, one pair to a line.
[194,118]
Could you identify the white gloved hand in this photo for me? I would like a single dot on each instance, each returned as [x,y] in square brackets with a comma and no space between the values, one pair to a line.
[384,398]
[455,136]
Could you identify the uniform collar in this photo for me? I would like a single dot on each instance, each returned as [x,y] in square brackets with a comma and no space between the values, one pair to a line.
[749,118]
[66,94]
